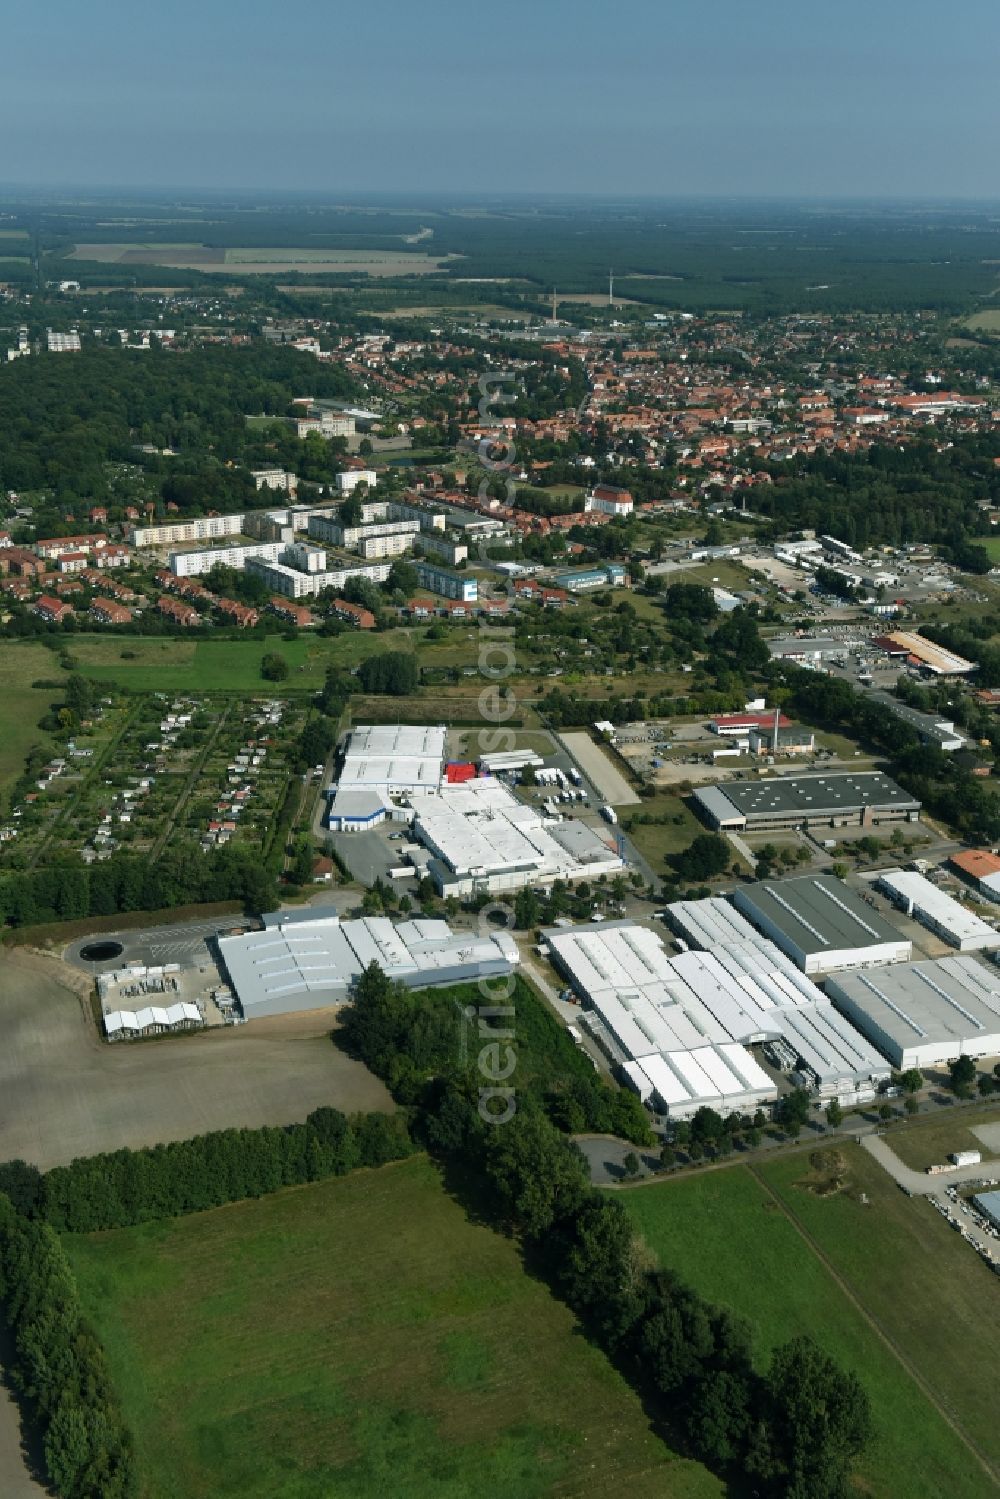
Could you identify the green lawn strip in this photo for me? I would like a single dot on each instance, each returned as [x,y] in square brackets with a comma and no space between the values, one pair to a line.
[929,1142]
[22,663]
[359,1337]
[656,840]
[731,1242]
[925,1286]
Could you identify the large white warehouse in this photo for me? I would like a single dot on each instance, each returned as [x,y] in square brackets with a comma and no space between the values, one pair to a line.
[384,762]
[680,1026]
[821,923]
[486,841]
[938,910]
[782,1008]
[309,959]
[926,1013]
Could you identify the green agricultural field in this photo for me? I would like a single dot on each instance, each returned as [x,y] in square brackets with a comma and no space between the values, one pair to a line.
[927,1290]
[279,260]
[21,664]
[987,321]
[354,1338]
[724,1233]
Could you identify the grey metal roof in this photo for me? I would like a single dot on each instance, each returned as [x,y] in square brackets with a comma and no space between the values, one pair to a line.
[795,645]
[952,999]
[817,913]
[717,803]
[988,1203]
[814,795]
[308,914]
[928,725]
[304,960]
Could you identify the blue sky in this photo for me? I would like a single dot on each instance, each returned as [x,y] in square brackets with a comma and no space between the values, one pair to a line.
[770,98]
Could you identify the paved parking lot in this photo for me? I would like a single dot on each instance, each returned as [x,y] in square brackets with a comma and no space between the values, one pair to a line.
[185,943]
[369,856]
[600,770]
[65,1092]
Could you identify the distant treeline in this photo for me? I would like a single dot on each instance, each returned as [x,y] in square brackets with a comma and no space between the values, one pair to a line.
[773,260]
[794,1430]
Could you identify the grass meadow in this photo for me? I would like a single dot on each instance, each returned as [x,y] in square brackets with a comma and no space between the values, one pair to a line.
[168,664]
[23,706]
[927,1289]
[725,1234]
[929,1140]
[360,1337]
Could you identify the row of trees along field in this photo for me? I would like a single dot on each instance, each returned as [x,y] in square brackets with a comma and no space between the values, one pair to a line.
[58,1366]
[794,1429]
[124,1187]
[128,882]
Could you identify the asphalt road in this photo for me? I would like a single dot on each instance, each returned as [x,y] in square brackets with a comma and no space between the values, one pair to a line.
[182,942]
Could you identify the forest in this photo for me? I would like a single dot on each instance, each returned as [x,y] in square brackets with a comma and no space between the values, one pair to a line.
[925,492]
[65,420]
[762,258]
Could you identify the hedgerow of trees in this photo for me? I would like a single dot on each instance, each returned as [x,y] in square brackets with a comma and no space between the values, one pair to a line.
[124,1187]
[59,1367]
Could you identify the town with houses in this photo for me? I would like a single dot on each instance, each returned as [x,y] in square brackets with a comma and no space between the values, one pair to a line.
[734,798]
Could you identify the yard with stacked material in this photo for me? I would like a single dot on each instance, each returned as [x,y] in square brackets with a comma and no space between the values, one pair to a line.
[871,1262]
[359,1337]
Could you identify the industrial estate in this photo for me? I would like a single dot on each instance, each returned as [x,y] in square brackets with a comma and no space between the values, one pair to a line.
[499,853]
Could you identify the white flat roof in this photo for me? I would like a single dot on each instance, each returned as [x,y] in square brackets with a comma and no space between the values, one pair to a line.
[964,927]
[317,960]
[737,994]
[393,756]
[480,827]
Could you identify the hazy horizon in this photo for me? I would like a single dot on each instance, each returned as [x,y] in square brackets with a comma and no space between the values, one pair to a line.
[772,102]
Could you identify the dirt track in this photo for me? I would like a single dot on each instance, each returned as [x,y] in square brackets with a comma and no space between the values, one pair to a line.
[15,1480]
